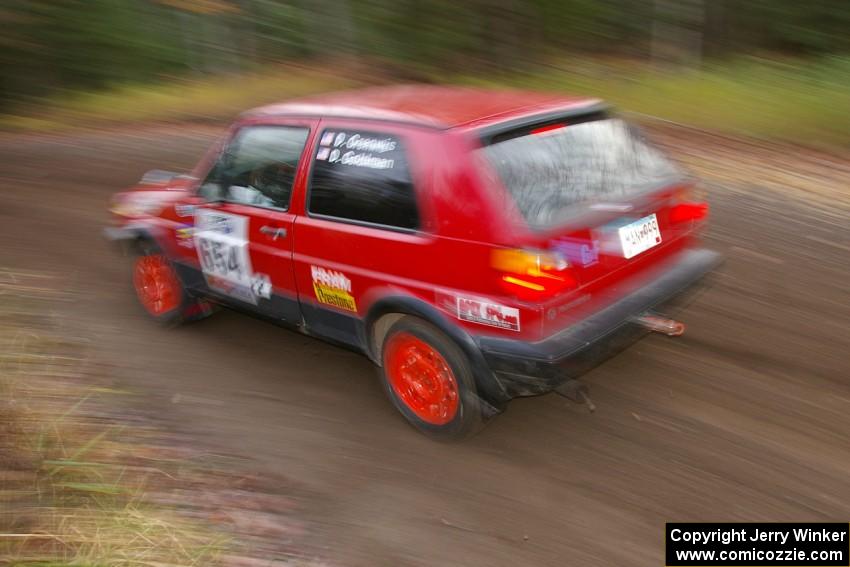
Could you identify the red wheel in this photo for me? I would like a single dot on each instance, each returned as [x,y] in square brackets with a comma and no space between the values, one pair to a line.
[161,291]
[156,284]
[429,380]
[421,378]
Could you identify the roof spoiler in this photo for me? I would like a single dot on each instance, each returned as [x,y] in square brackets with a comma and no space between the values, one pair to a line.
[518,126]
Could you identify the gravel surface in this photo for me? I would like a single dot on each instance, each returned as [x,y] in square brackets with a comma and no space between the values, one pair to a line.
[744,418]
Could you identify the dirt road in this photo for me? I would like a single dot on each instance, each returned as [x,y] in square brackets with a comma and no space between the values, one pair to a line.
[746,417]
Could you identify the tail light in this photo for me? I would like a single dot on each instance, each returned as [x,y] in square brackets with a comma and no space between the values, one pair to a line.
[688,211]
[548,128]
[533,274]
[688,205]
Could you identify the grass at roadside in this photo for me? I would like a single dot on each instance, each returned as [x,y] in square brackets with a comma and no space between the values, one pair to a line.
[70,492]
[794,101]
[210,99]
[798,101]
[90,477]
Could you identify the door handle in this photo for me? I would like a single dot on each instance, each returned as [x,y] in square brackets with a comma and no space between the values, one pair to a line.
[274,231]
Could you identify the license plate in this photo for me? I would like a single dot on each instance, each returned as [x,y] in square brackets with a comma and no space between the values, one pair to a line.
[639,236]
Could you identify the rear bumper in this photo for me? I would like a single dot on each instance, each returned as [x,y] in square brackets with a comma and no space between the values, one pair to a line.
[524,368]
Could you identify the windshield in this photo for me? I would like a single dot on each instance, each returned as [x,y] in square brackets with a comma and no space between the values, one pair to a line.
[551,170]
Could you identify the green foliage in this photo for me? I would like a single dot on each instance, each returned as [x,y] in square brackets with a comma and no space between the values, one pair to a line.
[50,46]
[215,98]
[801,101]
[798,101]
[59,44]
[133,60]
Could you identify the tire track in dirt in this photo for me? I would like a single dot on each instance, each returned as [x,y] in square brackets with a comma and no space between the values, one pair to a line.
[744,418]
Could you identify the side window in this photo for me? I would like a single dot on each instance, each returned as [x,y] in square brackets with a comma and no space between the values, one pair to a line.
[258,167]
[363,176]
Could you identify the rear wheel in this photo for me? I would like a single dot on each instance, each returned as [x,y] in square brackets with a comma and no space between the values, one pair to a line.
[160,291]
[429,380]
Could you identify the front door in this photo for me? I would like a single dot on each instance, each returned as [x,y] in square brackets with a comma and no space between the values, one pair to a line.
[243,231]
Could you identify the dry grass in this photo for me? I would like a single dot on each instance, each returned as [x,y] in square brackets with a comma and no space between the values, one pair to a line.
[73,489]
[211,99]
[799,101]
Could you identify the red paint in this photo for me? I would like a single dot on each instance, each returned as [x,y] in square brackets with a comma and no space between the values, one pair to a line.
[684,212]
[421,378]
[443,107]
[465,216]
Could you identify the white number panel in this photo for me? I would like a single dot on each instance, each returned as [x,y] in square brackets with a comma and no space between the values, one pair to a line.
[222,243]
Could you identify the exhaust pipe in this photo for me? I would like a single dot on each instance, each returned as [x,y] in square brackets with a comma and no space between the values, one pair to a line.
[658,324]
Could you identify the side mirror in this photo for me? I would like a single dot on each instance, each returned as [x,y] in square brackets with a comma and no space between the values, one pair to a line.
[211,192]
[158,177]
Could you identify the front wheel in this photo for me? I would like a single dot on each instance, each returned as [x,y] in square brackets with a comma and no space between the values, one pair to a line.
[160,291]
[429,380]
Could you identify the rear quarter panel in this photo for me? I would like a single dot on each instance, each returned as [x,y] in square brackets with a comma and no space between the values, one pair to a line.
[446,259]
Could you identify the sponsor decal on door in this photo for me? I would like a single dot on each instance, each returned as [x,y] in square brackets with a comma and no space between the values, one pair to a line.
[333,288]
[185,235]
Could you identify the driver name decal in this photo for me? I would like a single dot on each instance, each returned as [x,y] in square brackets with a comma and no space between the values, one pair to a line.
[357,150]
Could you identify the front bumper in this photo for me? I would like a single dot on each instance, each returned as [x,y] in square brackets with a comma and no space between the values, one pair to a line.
[524,368]
[119,233]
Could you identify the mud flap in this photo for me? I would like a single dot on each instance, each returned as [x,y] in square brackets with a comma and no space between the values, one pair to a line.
[576,391]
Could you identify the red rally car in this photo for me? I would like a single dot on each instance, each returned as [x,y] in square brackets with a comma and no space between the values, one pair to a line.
[476,245]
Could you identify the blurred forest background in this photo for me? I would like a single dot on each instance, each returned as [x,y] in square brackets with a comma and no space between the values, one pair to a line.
[775,68]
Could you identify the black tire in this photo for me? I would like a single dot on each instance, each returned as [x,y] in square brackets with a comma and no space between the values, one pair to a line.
[468,418]
[189,308]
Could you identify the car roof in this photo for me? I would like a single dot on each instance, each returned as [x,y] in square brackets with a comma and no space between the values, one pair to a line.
[441,107]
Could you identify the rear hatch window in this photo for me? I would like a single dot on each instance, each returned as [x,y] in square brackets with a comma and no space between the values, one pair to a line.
[555,171]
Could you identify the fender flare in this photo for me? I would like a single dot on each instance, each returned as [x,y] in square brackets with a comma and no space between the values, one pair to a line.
[128,235]
[489,388]
[128,238]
